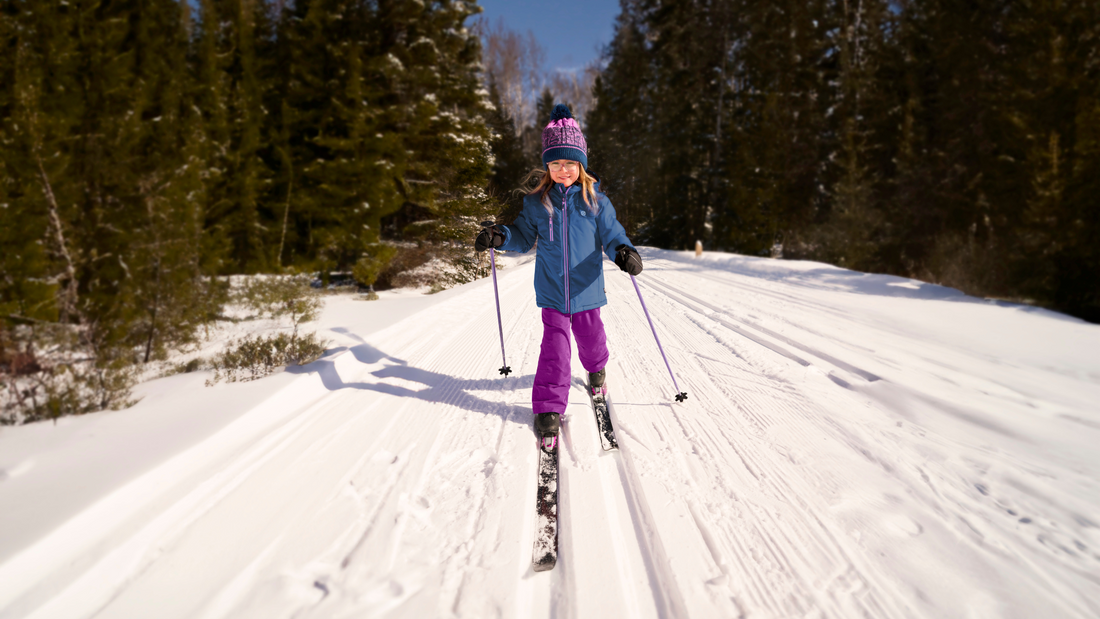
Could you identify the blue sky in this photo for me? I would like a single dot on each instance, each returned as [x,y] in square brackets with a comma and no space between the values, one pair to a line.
[571,31]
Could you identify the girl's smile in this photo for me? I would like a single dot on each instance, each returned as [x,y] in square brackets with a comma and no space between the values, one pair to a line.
[564,171]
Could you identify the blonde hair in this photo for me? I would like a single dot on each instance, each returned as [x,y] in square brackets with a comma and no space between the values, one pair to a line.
[539,181]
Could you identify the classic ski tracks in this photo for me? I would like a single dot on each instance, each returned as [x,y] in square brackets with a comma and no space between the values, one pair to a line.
[667,596]
[621,478]
[407,489]
[755,533]
[720,316]
[428,356]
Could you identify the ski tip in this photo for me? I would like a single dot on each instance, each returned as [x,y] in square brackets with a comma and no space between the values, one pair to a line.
[681,396]
[506,370]
[545,563]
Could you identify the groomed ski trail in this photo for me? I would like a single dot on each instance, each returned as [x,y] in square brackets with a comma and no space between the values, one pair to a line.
[811,473]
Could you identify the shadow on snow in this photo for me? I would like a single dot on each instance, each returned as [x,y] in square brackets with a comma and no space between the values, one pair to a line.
[439,388]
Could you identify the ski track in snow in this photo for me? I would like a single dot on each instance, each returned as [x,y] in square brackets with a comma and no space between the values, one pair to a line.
[831,461]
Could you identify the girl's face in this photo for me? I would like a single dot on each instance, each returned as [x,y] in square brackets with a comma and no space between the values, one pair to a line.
[564,171]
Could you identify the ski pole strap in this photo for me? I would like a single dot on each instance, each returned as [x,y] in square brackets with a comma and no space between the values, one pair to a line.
[680,395]
[505,370]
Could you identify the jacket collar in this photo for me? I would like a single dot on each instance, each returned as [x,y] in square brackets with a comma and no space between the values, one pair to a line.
[556,192]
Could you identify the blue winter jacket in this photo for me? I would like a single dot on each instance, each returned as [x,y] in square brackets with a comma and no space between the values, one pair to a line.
[570,265]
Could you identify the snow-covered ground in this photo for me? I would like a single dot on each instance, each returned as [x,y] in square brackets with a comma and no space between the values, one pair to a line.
[853,446]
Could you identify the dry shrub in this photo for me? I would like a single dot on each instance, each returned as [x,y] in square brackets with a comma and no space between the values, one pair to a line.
[964,263]
[253,357]
[49,370]
[280,296]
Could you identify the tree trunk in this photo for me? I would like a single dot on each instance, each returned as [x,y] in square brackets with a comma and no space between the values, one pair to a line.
[69,297]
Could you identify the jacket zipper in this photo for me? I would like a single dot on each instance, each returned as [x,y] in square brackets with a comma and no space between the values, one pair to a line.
[565,246]
[551,227]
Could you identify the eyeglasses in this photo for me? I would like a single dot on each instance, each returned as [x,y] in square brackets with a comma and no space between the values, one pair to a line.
[570,166]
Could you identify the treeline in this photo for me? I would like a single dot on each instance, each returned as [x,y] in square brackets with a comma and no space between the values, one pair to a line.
[956,142]
[148,146]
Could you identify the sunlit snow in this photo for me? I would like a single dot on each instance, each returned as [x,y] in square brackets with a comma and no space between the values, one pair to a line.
[853,446]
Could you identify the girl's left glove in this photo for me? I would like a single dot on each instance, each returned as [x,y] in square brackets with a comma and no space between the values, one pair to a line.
[491,236]
[627,259]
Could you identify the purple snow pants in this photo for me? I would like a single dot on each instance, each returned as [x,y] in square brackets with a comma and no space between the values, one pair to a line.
[552,378]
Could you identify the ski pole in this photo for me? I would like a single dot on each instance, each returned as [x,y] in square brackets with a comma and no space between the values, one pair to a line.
[680,395]
[505,370]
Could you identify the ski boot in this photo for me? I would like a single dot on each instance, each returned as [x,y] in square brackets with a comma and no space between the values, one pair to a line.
[547,426]
[595,381]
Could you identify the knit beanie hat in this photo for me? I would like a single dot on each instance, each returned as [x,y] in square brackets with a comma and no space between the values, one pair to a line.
[562,138]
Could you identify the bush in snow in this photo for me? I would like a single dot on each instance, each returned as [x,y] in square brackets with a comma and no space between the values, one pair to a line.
[255,356]
[277,297]
[50,370]
[371,265]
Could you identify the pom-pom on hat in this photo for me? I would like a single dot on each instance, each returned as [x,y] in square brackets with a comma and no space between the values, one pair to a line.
[562,138]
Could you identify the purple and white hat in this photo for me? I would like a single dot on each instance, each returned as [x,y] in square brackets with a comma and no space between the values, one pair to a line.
[562,138]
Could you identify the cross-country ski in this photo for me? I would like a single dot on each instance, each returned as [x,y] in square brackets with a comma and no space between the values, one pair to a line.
[545,555]
[597,390]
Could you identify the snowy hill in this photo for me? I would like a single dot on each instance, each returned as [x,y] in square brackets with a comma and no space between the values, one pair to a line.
[853,446]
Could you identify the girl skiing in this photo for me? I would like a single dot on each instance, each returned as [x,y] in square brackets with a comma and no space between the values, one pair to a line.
[573,224]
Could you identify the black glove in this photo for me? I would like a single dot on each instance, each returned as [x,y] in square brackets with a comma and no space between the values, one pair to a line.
[627,259]
[491,236]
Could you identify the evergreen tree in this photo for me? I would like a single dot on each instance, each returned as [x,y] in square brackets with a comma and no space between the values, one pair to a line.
[230,94]
[532,135]
[621,149]
[446,136]
[1054,108]
[92,176]
[780,129]
[849,236]
[691,44]
[943,140]
[386,115]
[25,265]
[342,132]
[169,229]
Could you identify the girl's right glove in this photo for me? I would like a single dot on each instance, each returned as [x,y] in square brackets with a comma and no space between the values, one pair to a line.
[489,237]
[627,259]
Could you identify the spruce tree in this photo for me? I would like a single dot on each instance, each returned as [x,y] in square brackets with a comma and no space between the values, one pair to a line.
[849,237]
[169,230]
[93,177]
[230,93]
[1053,106]
[343,134]
[25,292]
[447,138]
[621,150]
[384,114]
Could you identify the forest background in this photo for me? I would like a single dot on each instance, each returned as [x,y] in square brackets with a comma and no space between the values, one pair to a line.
[151,148]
